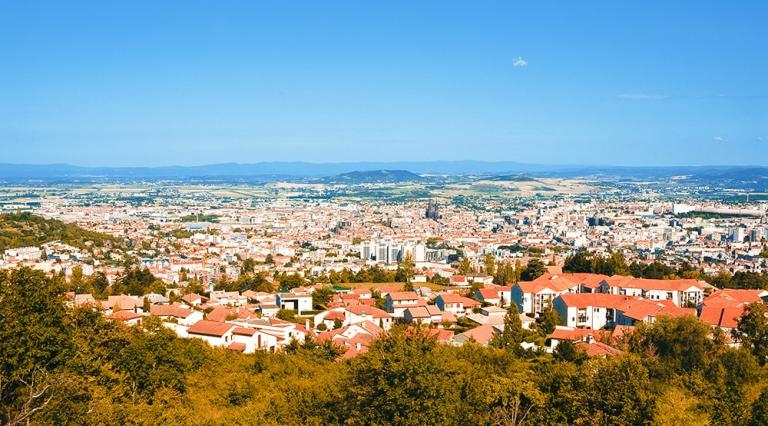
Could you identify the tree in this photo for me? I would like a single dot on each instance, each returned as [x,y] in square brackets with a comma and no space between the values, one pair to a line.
[513,333]
[548,320]
[535,269]
[760,410]
[321,297]
[505,273]
[490,264]
[33,342]
[97,284]
[76,280]
[399,380]
[248,266]
[465,267]
[137,281]
[405,270]
[621,391]
[567,351]
[681,343]
[753,330]
[579,262]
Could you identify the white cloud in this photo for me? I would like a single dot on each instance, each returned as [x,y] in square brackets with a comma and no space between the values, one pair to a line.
[519,62]
[642,96]
[719,139]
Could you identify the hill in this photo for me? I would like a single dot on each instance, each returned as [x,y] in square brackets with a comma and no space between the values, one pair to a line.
[511,178]
[375,176]
[25,229]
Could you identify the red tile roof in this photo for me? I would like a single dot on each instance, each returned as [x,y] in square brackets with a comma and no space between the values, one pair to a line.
[455,298]
[556,283]
[124,315]
[404,295]
[237,346]
[169,311]
[244,331]
[584,300]
[368,310]
[210,328]
[482,334]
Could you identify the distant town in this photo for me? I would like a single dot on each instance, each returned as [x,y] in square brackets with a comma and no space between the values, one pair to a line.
[254,268]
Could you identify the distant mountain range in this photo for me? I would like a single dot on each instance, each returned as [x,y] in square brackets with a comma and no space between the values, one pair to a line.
[754,177]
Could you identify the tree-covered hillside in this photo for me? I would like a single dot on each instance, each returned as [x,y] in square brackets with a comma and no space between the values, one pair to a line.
[25,229]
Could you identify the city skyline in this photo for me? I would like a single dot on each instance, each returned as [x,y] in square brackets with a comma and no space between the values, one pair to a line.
[588,84]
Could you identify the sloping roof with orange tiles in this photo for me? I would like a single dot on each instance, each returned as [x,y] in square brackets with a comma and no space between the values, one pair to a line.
[210,328]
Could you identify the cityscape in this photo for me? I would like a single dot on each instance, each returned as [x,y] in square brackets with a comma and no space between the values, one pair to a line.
[433,213]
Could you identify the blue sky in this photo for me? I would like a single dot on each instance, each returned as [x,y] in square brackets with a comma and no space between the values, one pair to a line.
[587,82]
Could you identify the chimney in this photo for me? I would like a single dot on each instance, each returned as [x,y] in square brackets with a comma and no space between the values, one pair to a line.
[306,324]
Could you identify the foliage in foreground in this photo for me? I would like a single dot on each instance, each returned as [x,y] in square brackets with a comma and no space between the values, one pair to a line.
[62,366]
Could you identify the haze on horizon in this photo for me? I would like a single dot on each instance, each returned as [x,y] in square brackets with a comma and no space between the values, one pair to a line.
[187,83]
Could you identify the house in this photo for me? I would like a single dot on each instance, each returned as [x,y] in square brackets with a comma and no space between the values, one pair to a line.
[682,292]
[455,304]
[584,339]
[495,315]
[532,297]
[294,302]
[442,335]
[83,299]
[254,340]
[597,349]
[496,295]
[360,313]
[725,307]
[398,302]
[488,295]
[429,314]
[155,298]
[354,314]
[220,314]
[588,283]
[562,333]
[123,303]
[353,339]
[267,309]
[193,299]
[588,310]
[330,318]
[128,317]
[647,311]
[283,331]
[183,316]
[597,310]
[214,333]
[481,335]
[227,298]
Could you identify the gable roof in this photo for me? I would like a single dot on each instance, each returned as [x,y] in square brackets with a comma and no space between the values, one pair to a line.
[455,298]
[368,310]
[585,300]
[722,316]
[650,284]
[554,282]
[482,334]
[403,295]
[169,311]
[210,328]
